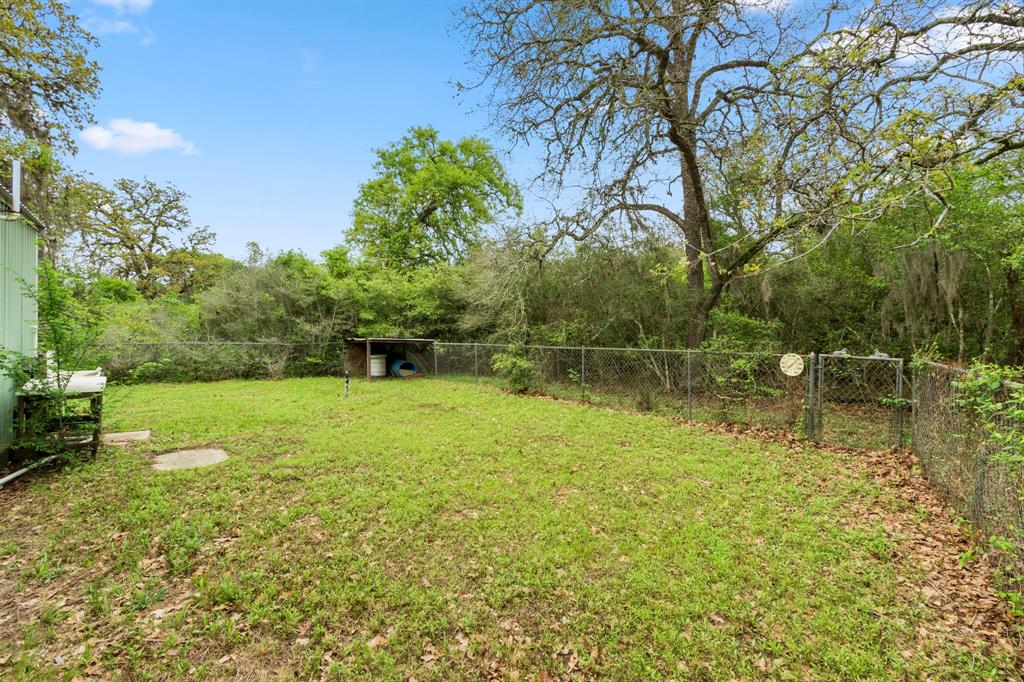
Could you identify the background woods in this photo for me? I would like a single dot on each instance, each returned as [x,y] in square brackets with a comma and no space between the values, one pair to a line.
[717,175]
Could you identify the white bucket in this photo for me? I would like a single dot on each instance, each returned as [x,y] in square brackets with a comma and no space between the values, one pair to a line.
[378,365]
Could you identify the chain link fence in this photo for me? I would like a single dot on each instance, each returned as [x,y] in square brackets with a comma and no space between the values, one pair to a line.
[835,398]
[216,360]
[960,460]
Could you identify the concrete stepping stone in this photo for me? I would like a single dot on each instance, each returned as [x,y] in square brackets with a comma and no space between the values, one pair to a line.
[125,437]
[189,459]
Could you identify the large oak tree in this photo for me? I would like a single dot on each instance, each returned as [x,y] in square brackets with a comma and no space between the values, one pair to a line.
[747,125]
[430,200]
[139,231]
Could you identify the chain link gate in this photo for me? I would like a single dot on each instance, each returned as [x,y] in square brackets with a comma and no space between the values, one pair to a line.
[855,400]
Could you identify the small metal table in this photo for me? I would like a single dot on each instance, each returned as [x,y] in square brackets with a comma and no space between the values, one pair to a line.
[34,395]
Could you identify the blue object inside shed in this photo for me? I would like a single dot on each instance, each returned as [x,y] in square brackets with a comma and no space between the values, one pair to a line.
[404,368]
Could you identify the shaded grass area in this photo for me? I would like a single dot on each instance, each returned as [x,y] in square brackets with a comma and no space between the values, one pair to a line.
[446,530]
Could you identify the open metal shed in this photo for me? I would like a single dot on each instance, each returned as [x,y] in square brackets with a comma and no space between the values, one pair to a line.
[359,351]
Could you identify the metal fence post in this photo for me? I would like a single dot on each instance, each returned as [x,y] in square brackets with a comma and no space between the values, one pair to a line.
[809,414]
[476,360]
[819,407]
[583,372]
[689,383]
[899,404]
[437,367]
[915,377]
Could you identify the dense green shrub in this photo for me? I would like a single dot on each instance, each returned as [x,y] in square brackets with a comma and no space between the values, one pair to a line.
[995,396]
[731,330]
[514,367]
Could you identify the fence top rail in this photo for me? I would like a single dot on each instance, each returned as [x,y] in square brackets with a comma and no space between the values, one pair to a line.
[622,350]
[217,343]
[847,356]
[769,354]
[951,368]
[1007,383]
[472,343]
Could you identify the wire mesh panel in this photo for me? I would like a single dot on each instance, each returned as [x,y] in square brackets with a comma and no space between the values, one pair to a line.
[959,458]
[465,360]
[454,360]
[215,360]
[558,370]
[748,388]
[945,435]
[860,400]
[637,378]
[484,358]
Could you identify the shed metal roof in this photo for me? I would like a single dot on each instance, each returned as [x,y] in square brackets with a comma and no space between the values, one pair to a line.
[387,339]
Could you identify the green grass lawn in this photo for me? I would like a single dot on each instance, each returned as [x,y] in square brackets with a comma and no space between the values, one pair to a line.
[441,530]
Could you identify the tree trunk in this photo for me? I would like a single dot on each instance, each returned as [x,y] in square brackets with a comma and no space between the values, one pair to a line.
[697,237]
[1013,296]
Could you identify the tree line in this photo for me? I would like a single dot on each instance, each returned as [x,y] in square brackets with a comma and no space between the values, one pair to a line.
[728,175]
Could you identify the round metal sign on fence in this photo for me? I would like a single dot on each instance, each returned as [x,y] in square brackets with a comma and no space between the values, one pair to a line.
[792,364]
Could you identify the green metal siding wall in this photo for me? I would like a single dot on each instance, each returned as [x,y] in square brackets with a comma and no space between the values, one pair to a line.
[18,263]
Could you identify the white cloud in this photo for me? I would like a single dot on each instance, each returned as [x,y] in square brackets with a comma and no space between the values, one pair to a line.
[950,38]
[122,6]
[109,27]
[125,136]
[766,5]
[937,43]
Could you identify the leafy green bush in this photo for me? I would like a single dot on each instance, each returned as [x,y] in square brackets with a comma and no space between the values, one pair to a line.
[730,330]
[996,396]
[514,367]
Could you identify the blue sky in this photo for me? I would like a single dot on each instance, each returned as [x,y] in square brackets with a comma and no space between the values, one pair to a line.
[267,113]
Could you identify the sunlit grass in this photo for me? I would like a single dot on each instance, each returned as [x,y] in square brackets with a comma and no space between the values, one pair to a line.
[447,530]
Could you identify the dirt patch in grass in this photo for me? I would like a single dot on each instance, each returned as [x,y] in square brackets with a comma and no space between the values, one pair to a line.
[563,493]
